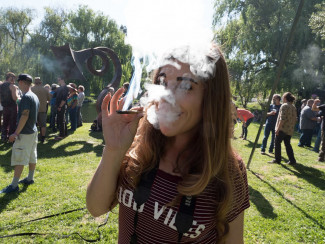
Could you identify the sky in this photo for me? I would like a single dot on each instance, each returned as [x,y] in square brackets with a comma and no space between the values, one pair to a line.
[153,25]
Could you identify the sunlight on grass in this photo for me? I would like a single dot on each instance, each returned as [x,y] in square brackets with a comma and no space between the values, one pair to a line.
[287,203]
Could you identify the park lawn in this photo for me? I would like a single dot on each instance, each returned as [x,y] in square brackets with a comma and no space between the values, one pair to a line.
[287,203]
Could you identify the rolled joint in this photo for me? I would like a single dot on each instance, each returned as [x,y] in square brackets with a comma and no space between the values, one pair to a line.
[127,111]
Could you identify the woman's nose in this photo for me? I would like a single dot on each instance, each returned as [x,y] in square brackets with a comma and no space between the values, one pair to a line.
[171,85]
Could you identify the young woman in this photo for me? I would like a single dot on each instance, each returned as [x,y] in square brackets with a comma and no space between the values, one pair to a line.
[176,178]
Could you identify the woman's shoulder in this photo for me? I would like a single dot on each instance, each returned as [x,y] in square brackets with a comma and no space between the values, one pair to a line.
[236,165]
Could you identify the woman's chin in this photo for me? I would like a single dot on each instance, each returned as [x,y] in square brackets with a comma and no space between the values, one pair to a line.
[167,130]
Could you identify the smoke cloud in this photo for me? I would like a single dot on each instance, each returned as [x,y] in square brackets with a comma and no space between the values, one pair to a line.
[309,69]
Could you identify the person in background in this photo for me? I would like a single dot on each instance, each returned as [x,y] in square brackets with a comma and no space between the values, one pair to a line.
[317,129]
[184,167]
[246,118]
[308,121]
[44,97]
[24,150]
[299,109]
[62,94]
[271,119]
[321,113]
[72,102]
[47,87]
[97,123]
[126,86]
[53,107]
[303,104]
[81,98]
[284,128]
[1,109]
[9,97]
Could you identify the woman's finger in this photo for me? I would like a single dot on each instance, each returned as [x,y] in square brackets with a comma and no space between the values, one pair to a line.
[105,103]
[114,100]
[121,103]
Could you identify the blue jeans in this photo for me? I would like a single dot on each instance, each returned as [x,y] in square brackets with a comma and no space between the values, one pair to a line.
[268,128]
[73,118]
[244,128]
[305,137]
[53,116]
[318,141]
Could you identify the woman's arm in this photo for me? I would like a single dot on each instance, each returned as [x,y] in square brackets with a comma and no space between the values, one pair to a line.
[101,189]
[118,131]
[236,230]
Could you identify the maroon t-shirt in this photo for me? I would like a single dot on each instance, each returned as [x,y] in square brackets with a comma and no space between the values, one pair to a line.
[156,221]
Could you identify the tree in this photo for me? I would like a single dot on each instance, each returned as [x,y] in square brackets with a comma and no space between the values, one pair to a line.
[317,21]
[253,34]
[14,32]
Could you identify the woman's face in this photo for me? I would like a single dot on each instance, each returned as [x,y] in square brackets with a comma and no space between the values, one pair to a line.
[181,111]
[284,99]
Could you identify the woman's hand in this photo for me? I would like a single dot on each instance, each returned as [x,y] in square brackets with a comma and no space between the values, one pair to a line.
[118,129]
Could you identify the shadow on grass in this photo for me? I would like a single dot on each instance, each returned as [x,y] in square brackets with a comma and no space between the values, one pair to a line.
[97,134]
[5,199]
[6,165]
[47,150]
[310,174]
[287,200]
[6,158]
[262,205]
[251,144]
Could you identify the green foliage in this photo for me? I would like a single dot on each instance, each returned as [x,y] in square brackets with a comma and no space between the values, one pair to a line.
[317,21]
[23,50]
[253,34]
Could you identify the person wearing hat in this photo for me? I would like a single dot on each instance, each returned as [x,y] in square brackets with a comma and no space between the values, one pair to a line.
[72,102]
[9,96]
[24,150]
[44,97]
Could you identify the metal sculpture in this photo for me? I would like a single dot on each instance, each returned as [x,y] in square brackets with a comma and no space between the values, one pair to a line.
[71,62]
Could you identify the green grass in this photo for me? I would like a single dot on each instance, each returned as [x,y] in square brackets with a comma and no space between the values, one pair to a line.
[287,203]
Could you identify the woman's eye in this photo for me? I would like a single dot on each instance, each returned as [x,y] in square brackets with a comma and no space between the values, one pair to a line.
[185,85]
[162,81]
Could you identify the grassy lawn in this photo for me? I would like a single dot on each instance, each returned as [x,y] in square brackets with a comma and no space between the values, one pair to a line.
[287,203]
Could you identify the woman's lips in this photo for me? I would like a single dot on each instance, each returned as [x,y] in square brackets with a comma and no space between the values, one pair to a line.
[168,113]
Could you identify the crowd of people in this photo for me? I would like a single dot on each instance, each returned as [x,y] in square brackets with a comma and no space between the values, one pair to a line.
[24,108]
[64,102]
[282,119]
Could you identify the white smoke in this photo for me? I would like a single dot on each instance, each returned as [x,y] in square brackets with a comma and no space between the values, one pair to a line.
[160,25]
[309,69]
[196,56]
[134,87]
[49,64]
[162,105]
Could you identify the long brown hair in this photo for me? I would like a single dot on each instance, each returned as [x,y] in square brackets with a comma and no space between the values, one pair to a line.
[210,148]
